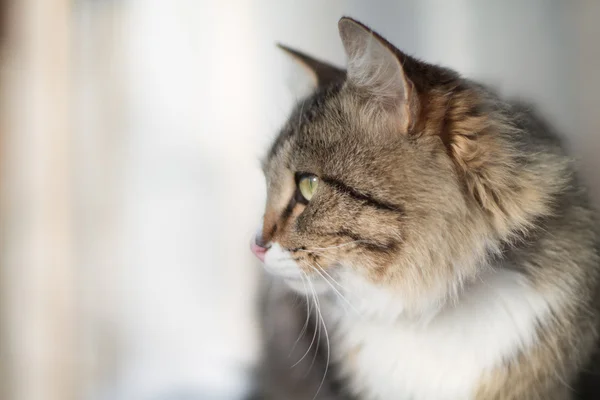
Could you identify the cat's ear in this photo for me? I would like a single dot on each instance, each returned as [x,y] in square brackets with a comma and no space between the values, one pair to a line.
[374,69]
[321,73]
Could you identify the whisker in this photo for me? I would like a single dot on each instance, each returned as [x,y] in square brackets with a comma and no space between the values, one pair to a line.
[333,287]
[316,348]
[303,331]
[326,336]
[314,333]
[330,277]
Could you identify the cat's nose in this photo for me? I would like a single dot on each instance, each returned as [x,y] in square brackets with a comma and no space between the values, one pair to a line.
[260,241]
[259,247]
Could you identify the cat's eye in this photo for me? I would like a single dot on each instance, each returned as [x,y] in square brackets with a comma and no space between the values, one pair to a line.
[307,184]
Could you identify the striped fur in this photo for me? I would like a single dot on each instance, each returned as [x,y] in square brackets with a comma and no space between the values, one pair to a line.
[432,187]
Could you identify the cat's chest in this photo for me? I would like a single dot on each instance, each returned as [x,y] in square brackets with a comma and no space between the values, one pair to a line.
[383,363]
[444,359]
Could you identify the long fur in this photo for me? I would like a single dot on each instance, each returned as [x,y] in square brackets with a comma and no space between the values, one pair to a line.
[452,248]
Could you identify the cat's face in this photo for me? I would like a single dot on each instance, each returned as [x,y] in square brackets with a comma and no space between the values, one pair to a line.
[345,190]
[378,175]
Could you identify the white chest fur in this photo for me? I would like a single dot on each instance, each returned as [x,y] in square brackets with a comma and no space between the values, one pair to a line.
[443,359]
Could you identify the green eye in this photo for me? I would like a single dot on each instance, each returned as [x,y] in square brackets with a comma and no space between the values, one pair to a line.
[307,186]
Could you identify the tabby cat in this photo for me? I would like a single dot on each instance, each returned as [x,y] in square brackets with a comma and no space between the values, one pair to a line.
[439,234]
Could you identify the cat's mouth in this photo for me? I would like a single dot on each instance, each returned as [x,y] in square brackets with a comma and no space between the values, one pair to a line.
[280,263]
[277,260]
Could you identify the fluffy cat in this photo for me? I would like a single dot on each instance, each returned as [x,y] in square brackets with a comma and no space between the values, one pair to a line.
[439,233]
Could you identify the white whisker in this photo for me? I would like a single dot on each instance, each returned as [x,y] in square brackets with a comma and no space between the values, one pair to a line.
[303,331]
[314,333]
[326,336]
[330,277]
[317,307]
[333,287]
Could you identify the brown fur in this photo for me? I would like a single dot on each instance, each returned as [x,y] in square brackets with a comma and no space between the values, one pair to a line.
[464,182]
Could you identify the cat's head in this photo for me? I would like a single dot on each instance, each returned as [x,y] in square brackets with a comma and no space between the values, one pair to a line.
[398,173]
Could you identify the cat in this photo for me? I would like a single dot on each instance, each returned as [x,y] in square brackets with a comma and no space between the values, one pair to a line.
[440,235]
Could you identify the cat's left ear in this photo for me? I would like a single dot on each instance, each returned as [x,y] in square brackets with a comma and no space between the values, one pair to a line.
[375,70]
[321,73]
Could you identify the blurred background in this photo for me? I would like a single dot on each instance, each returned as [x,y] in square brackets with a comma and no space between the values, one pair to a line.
[130,138]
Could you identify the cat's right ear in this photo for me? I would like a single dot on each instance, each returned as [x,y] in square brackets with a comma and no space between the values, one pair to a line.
[321,73]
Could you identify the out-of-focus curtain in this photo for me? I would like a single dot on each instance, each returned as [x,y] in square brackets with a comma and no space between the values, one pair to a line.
[131,133]
[38,299]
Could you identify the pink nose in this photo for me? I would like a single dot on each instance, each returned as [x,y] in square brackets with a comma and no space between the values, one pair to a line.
[259,251]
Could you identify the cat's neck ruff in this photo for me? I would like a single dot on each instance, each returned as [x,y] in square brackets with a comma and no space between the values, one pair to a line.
[387,356]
